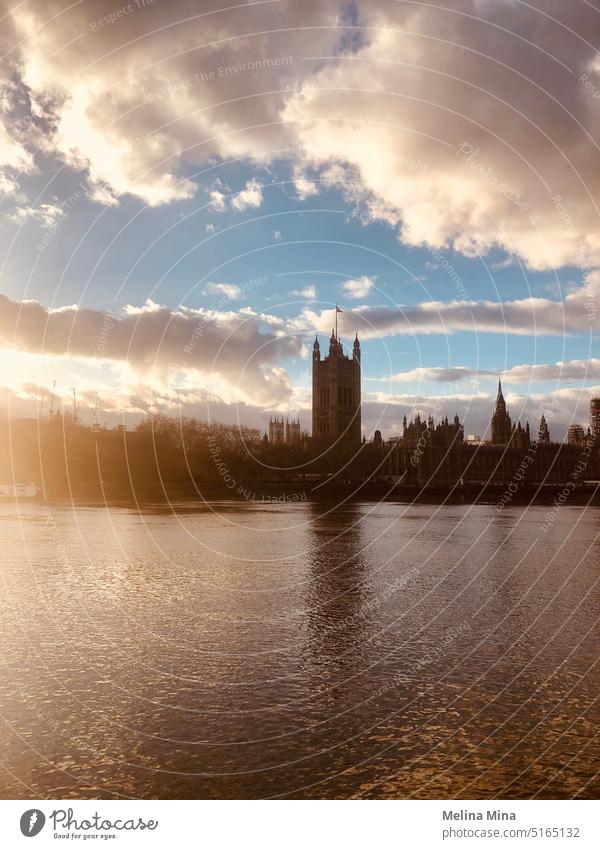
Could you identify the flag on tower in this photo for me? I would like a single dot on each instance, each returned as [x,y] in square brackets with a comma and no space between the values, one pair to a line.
[337,310]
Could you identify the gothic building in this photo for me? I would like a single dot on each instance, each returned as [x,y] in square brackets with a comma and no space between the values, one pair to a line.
[336,394]
[293,435]
[501,422]
[544,433]
[576,435]
[504,432]
[276,431]
[287,432]
[436,454]
[429,454]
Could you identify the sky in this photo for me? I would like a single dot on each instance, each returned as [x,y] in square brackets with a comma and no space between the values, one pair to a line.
[187,190]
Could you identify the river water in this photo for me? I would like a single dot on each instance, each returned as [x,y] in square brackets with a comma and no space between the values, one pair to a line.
[248,650]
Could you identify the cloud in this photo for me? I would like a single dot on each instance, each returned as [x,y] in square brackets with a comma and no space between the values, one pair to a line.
[577,313]
[561,371]
[459,133]
[250,197]
[229,290]
[358,288]
[217,201]
[46,213]
[501,264]
[15,159]
[434,119]
[435,374]
[305,188]
[524,373]
[131,103]
[238,355]
[309,292]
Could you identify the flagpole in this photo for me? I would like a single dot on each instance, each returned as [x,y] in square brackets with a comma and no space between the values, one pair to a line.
[336,315]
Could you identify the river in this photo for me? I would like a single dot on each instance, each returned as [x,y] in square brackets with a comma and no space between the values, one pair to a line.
[250,650]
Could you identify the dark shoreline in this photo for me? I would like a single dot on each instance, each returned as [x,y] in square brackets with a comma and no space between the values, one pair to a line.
[290,492]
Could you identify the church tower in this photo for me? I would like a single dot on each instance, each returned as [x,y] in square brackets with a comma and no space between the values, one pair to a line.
[501,423]
[336,397]
[544,432]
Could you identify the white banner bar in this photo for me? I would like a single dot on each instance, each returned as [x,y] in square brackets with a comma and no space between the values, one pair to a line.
[301,824]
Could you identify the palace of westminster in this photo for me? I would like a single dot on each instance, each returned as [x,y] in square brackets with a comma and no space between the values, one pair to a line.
[437,453]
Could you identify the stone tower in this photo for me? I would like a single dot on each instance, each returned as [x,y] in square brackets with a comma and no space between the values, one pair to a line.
[544,432]
[336,396]
[276,431]
[501,423]
[292,432]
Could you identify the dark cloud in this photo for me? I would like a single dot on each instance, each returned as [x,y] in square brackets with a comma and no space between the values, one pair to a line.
[238,353]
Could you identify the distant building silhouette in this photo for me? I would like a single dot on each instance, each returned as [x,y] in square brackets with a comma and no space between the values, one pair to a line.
[595,417]
[576,435]
[336,398]
[544,432]
[501,421]
[430,454]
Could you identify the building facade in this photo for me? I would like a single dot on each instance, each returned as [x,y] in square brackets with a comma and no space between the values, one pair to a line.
[437,455]
[285,432]
[576,435]
[276,431]
[595,417]
[501,421]
[293,434]
[429,454]
[336,394]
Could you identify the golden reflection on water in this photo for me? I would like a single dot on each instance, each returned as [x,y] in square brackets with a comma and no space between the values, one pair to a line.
[259,650]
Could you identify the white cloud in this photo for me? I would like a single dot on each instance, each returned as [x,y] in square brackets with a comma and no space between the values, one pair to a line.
[562,371]
[452,132]
[578,312]
[508,262]
[437,121]
[358,288]
[47,214]
[305,188]
[129,106]
[436,374]
[217,201]
[309,292]
[250,197]
[229,290]
[525,373]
